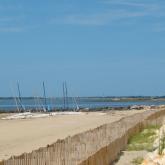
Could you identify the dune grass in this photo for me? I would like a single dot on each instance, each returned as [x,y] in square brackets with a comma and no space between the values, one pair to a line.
[161,144]
[144,139]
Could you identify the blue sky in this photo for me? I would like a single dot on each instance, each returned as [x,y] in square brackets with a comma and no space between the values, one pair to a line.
[100,47]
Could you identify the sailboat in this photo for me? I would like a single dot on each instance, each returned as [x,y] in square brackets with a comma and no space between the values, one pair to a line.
[15,99]
[65,96]
[77,106]
[46,107]
[19,99]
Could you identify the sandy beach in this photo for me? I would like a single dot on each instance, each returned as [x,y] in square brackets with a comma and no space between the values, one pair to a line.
[24,135]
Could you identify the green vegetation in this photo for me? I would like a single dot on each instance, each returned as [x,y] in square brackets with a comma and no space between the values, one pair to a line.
[161,144]
[137,161]
[144,139]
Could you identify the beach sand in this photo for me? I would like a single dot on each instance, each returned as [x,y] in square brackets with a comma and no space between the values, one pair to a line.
[24,135]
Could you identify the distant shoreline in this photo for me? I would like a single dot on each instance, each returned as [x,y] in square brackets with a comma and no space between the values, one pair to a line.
[112,98]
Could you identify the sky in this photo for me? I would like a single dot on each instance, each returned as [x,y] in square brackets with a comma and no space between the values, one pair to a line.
[99,47]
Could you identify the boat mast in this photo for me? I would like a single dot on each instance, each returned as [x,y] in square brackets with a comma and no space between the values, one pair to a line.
[45,101]
[77,106]
[64,95]
[19,97]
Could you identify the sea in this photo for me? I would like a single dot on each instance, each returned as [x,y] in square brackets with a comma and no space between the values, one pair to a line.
[12,104]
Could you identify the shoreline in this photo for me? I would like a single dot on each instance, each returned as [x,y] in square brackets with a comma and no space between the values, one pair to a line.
[98,109]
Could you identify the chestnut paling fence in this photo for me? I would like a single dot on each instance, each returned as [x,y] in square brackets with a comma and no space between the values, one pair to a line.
[99,146]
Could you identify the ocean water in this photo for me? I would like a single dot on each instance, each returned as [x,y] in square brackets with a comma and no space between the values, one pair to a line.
[9,104]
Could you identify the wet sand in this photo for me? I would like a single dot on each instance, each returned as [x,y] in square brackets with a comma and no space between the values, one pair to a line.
[24,135]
